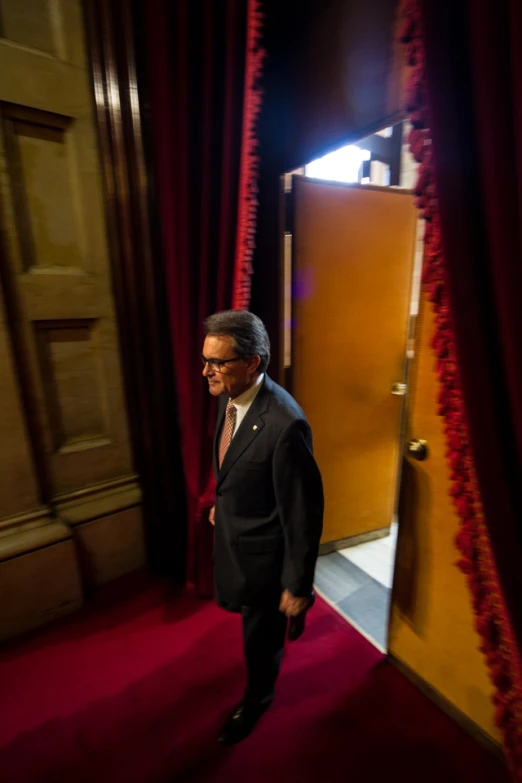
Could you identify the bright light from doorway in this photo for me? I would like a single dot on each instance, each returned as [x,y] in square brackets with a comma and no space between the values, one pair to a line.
[343,165]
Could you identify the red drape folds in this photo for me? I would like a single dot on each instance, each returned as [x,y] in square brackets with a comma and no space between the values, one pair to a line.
[465,102]
[203,62]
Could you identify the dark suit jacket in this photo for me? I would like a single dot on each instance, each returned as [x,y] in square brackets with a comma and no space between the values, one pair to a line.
[269,503]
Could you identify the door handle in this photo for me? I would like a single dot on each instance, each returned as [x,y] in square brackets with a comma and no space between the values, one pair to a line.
[399,389]
[418,449]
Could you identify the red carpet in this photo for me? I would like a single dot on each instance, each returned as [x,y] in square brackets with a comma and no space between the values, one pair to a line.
[134,689]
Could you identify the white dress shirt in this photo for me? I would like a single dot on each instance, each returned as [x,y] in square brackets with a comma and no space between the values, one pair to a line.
[245,400]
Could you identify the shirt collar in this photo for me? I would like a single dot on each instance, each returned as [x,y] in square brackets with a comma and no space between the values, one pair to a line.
[250,394]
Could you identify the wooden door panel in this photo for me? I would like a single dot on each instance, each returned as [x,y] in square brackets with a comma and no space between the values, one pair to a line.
[19,490]
[353,250]
[65,458]
[57,268]
[431,621]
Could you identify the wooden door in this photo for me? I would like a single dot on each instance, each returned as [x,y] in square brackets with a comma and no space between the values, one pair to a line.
[56,268]
[352,264]
[431,628]
[60,321]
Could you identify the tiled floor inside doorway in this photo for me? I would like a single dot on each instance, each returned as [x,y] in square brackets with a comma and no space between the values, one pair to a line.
[357,582]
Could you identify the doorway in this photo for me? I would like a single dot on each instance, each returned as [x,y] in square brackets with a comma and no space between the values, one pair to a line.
[353,256]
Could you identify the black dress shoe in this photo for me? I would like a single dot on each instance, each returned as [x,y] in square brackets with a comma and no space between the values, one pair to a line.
[242,722]
[296,625]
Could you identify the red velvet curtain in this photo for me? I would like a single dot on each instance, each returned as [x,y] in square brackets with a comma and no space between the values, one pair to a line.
[474,78]
[203,63]
[465,102]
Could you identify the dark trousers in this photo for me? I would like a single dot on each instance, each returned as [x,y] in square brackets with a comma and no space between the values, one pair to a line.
[264,631]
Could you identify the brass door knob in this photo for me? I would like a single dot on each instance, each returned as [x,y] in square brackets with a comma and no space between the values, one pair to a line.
[399,389]
[418,449]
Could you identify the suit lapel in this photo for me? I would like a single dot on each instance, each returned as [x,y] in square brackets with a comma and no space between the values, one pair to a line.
[248,431]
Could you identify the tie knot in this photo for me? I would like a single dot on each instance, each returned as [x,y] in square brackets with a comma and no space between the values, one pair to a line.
[231,408]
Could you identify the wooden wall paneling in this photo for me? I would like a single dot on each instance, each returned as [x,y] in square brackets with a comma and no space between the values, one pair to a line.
[39,574]
[57,277]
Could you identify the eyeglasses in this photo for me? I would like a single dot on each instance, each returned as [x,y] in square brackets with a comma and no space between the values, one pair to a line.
[217,365]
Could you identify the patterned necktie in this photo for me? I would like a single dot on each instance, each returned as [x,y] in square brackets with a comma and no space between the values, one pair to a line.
[228,430]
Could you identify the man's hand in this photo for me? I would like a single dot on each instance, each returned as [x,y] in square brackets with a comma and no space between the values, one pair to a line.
[211,516]
[292,606]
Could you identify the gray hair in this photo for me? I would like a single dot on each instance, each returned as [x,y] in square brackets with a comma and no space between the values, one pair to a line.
[247,331]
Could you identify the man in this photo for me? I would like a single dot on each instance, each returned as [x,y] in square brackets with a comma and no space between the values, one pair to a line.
[268,513]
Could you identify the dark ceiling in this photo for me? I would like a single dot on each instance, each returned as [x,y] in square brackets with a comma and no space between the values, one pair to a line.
[328,76]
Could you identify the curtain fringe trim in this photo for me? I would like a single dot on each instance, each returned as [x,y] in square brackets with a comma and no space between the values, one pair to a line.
[476,560]
[249,167]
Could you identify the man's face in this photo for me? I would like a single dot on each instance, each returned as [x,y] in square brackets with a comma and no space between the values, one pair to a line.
[232,378]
